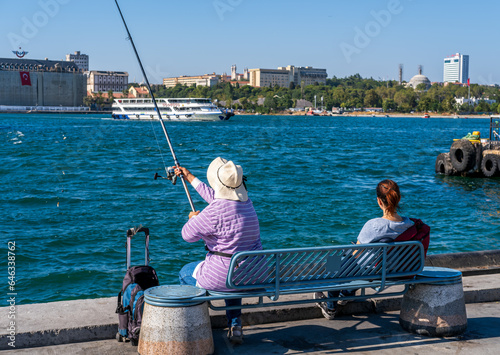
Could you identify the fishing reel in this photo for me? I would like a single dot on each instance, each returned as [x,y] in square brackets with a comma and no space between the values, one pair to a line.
[170,176]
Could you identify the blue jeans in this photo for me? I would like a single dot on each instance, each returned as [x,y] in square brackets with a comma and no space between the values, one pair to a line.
[343,293]
[186,278]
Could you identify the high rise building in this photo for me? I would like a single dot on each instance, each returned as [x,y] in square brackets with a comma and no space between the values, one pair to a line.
[81,60]
[456,68]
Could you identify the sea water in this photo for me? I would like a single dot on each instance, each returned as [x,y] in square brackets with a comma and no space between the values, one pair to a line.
[71,186]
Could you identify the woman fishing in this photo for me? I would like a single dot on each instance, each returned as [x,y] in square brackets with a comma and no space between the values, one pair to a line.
[228,225]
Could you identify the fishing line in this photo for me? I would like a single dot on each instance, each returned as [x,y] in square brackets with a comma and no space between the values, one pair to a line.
[156,108]
[159,148]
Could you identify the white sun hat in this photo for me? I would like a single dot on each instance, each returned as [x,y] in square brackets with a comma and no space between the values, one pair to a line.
[226,178]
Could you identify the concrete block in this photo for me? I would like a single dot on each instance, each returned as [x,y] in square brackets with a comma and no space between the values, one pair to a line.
[176,331]
[434,310]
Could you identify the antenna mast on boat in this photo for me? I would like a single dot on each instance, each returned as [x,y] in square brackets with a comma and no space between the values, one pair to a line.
[156,108]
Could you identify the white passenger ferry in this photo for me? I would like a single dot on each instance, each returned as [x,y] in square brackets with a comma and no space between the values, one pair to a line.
[170,109]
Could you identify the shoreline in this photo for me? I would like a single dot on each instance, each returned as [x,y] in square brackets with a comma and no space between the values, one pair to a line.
[300,114]
[374,115]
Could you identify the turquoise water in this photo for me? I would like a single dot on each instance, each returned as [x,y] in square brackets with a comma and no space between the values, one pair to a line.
[72,185]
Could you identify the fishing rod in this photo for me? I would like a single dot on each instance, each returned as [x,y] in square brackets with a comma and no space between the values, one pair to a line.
[169,173]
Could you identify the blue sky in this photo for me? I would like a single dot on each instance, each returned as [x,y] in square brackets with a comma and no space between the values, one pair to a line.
[194,37]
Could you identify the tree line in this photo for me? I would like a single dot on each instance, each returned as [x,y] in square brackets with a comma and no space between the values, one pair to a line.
[353,92]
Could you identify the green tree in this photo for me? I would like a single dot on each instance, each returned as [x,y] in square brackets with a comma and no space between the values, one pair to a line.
[228,91]
[243,102]
[270,103]
[483,106]
[110,96]
[389,105]
[99,100]
[405,99]
[421,87]
[424,104]
[372,99]
[88,101]
[449,104]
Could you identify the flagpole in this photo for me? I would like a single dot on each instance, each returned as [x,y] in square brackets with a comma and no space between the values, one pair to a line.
[468,84]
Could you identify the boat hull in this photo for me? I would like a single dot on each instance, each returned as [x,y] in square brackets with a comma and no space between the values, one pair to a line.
[170,117]
[171,109]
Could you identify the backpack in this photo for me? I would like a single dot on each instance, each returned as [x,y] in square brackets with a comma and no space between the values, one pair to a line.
[419,231]
[131,301]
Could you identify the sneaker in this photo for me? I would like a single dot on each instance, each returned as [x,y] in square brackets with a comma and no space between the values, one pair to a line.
[328,313]
[235,335]
[342,302]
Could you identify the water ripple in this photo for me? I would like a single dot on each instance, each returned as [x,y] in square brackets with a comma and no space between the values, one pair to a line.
[75,185]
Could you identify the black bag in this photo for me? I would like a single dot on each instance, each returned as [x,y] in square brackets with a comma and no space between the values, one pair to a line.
[131,297]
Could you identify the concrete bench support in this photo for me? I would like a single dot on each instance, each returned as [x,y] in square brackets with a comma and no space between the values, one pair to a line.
[172,328]
[435,309]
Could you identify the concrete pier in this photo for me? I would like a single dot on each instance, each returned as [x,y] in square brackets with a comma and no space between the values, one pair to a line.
[89,326]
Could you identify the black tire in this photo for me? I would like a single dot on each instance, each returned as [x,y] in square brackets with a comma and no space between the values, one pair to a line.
[479,155]
[443,165]
[489,165]
[463,155]
[134,342]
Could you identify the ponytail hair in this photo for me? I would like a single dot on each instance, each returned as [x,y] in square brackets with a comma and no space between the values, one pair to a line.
[388,193]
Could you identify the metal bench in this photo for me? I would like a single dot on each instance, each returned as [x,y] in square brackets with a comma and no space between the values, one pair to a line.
[433,300]
[276,272]
[272,273]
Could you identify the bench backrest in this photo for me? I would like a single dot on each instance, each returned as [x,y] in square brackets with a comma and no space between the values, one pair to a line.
[280,268]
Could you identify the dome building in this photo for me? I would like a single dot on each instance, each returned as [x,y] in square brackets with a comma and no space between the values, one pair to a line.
[419,79]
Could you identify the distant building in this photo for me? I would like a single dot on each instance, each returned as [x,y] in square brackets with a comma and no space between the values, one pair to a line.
[456,84]
[307,75]
[233,72]
[269,77]
[116,95]
[35,82]
[81,60]
[236,76]
[104,81]
[239,82]
[473,101]
[456,68]
[419,79]
[283,76]
[138,92]
[199,80]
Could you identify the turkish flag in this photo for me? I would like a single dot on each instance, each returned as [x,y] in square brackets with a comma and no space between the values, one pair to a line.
[25,78]
[468,82]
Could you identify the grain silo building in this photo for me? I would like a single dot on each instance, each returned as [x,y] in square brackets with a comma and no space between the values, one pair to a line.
[32,82]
